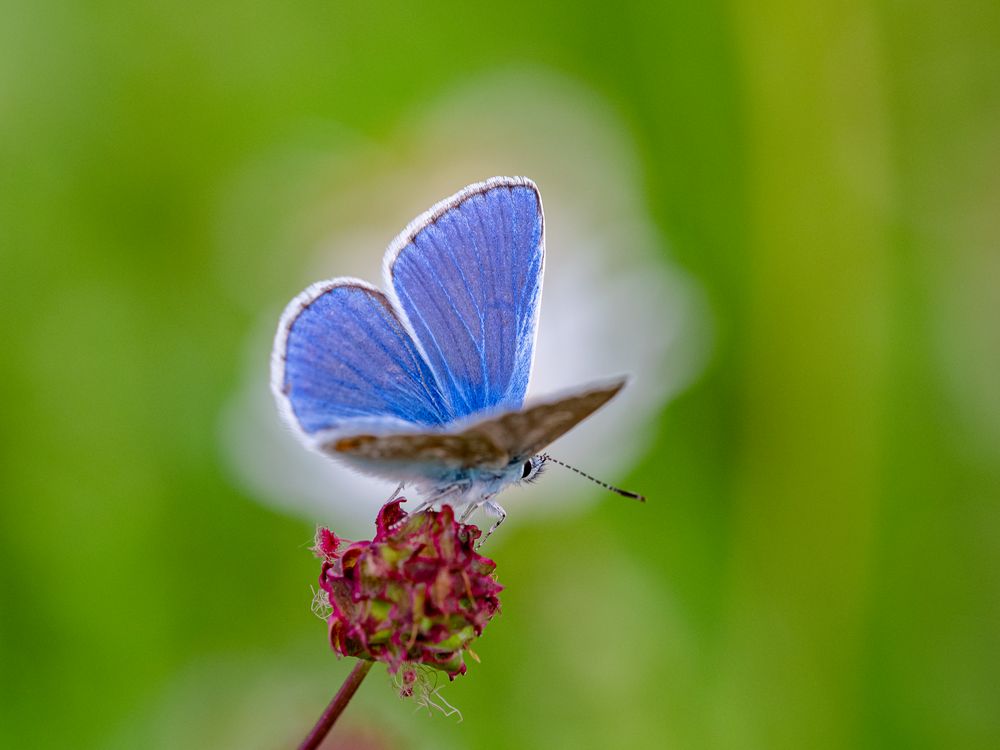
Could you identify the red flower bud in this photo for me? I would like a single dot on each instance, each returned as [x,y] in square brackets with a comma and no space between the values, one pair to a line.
[418,592]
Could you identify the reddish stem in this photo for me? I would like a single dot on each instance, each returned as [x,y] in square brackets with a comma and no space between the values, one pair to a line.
[337,705]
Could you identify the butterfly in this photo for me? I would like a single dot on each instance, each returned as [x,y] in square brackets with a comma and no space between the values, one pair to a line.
[425,383]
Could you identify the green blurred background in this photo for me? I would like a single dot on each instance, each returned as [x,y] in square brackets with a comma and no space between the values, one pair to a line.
[820,566]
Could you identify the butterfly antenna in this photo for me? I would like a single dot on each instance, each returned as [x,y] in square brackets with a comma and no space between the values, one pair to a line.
[595,480]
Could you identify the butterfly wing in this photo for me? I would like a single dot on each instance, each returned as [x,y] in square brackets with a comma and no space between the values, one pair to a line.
[467,276]
[523,433]
[492,443]
[344,360]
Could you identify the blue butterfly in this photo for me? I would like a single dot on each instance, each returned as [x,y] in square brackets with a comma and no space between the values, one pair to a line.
[425,384]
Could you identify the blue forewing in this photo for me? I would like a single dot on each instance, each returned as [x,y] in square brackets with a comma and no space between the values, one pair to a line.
[469,283]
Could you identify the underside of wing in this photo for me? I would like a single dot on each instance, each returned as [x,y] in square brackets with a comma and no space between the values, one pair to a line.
[467,276]
[437,452]
[524,433]
[492,443]
[342,357]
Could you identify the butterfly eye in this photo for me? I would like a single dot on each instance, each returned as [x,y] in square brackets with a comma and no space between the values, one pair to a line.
[528,468]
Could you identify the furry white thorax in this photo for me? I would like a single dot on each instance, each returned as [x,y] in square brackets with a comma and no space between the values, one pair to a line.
[459,488]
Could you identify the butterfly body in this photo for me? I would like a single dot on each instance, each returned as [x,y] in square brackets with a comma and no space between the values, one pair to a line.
[425,384]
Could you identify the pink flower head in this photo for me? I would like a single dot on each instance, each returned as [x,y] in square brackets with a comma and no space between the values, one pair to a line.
[418,592]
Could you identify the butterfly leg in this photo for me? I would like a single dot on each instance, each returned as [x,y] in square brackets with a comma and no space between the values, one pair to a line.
[494,509]
[436,497]
[429,501]
[395,493]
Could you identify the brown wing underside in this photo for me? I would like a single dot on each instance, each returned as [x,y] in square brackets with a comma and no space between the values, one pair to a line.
[493,443]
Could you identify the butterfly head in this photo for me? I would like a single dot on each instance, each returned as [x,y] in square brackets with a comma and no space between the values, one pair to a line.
[532,468]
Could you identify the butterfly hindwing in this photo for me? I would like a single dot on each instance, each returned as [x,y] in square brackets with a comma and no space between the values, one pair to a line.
[492,443]
[426,452]
[343,358]
[527,431]
[468,276]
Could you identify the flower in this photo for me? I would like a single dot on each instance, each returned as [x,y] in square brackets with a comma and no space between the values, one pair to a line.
[417,593]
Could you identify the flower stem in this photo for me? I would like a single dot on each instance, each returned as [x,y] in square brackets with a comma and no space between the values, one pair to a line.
[337,705]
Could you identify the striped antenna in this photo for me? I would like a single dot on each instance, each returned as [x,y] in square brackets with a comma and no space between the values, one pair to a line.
[617,490]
